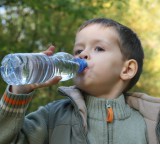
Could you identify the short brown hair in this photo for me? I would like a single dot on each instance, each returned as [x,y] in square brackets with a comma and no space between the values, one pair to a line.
[130,44]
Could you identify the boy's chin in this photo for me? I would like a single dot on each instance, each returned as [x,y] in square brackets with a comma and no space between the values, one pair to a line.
[79,83]
[83,84]
[83,87]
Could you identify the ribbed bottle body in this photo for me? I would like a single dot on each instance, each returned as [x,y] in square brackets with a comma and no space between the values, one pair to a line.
[30,68]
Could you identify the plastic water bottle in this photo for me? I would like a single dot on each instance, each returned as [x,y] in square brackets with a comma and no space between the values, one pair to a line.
[30,68]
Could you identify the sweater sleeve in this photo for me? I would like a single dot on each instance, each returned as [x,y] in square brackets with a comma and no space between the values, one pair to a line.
[15,127]
[14,104]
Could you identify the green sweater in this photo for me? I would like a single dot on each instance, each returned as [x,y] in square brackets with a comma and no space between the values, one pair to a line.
[65,121]
[128,125]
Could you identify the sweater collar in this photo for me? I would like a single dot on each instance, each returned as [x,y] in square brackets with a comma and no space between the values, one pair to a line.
[120,108]
[96,107]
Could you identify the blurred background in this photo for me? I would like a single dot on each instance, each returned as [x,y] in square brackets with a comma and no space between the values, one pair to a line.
[31,25]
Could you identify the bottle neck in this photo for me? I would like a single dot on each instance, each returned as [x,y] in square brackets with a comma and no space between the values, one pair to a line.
[82,64]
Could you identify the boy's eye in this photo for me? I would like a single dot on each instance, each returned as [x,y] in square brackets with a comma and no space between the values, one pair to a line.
[77,52]
[99,49]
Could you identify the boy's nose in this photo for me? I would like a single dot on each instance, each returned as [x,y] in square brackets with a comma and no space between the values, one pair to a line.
[84,55]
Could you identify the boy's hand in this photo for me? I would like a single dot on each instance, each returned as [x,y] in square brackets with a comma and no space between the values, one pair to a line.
[24,89]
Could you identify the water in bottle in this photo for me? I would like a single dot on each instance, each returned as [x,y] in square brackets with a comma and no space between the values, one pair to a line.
[30,68]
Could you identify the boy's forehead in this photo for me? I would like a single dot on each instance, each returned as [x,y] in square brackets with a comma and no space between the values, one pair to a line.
[96,27]
[97,32]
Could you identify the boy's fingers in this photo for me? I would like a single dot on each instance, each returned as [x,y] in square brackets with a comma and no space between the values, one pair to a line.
[50,50]
[48,83]
[53,81]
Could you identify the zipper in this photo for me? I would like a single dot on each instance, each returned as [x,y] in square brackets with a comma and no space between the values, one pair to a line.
[110,114]
[109,120]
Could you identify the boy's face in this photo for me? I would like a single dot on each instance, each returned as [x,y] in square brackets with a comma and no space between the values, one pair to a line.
[99,45]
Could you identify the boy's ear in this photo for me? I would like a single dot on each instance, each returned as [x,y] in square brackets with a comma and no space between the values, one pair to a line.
[129,69]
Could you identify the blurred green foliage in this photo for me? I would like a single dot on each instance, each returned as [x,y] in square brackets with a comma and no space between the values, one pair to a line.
[30,26]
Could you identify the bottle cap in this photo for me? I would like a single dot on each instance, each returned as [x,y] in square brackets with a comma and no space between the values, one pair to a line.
[82,64]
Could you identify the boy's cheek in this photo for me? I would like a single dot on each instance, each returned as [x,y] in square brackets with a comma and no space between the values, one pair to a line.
[90,64]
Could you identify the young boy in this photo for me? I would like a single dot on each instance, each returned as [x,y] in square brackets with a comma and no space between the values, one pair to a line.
[96,110]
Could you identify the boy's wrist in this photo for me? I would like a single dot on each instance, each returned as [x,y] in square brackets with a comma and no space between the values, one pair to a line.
[14,104]
[20,89]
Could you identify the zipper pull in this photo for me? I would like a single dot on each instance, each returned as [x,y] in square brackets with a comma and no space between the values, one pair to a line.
[110,113]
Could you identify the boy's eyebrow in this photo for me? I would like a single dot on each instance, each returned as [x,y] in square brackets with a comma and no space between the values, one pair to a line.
[94,41]
[79,44]
[102,41]
[107,43]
